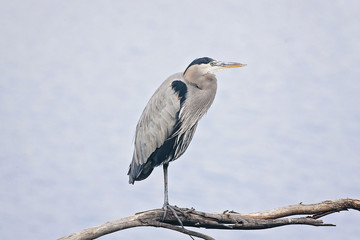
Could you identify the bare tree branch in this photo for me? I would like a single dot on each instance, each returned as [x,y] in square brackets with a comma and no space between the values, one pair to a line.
[302,209]
[225,220]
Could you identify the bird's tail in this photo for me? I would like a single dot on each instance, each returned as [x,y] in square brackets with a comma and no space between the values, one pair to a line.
[139,172]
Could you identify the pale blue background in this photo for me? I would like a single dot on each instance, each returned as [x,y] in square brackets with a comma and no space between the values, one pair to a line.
[76,75]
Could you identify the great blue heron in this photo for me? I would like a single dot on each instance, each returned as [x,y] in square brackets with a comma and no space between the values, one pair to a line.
[169,120]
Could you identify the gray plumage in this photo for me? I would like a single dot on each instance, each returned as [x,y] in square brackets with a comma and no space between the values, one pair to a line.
[170,118]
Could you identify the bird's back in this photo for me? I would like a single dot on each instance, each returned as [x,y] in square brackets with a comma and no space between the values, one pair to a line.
[156,138]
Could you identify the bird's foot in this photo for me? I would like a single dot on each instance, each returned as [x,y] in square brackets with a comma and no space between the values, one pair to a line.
[173,209]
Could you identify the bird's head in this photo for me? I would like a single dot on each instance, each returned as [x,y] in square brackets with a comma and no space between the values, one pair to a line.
[200,72]
[207,65]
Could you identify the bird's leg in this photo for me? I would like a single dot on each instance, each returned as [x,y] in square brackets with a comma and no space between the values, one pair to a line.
[166,205]
[166,197]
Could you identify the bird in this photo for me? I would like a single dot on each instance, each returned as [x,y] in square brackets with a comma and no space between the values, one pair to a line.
[169,120]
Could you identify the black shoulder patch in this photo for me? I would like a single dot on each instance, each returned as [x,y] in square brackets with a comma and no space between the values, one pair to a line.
[203,60]
[180,88]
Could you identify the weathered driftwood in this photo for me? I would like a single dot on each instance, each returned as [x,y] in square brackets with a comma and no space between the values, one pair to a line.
[224,220]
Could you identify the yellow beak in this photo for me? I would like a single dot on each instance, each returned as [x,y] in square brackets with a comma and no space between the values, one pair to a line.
[227,64]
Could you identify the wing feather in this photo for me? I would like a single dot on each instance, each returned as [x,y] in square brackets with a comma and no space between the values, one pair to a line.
[156,124]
